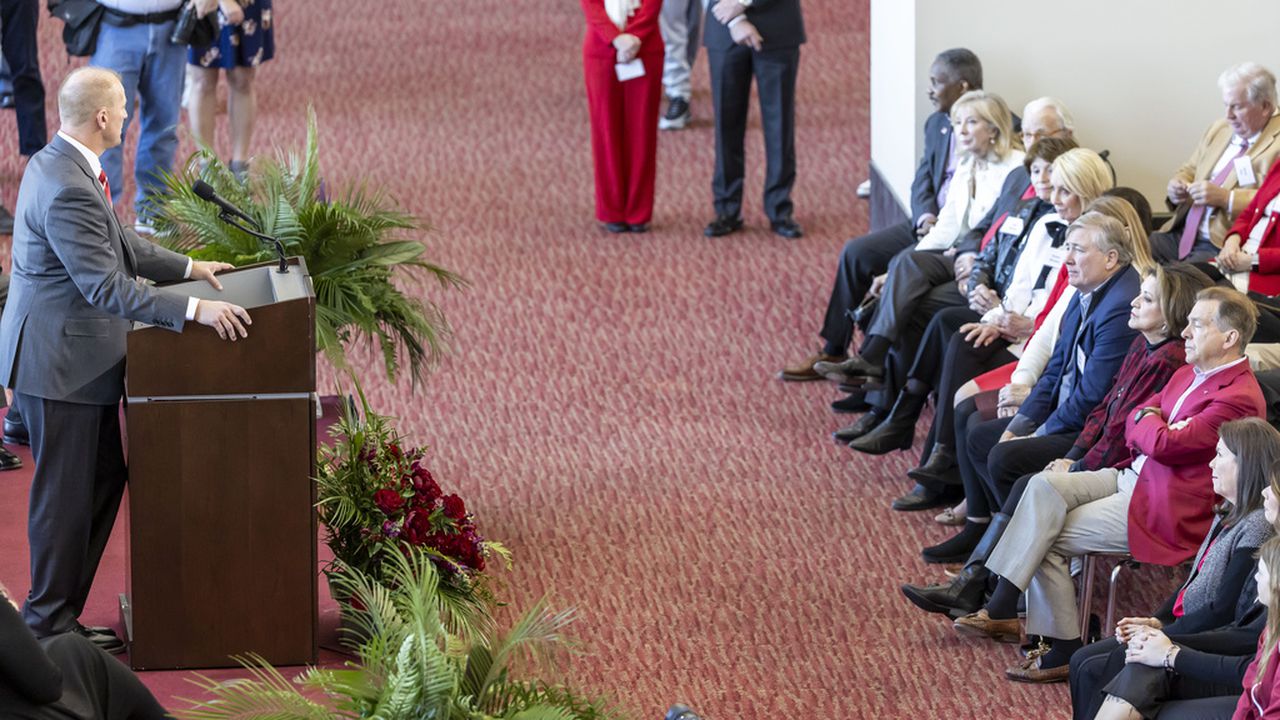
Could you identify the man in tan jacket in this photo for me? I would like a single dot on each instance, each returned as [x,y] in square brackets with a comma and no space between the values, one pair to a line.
[1225,170]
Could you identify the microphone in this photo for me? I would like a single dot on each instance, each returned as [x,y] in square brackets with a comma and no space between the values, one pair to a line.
[205,191]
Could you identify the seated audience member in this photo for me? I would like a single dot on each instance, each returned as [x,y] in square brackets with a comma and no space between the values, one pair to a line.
[1261,697]
[1209,191]
[937,478]
[1158,508]
[1009,286]
[64,677]
[1159,315]
[984,134]
[1043,118]
[1250,257]
[1094,339]
[1215,597]
[953,73]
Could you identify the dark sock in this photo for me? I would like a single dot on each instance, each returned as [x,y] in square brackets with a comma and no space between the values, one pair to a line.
[833,351]
[1060,652]
[963,542]
[1003,604]
[875,349]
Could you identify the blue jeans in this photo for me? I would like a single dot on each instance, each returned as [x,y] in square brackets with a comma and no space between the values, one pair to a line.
[152,70]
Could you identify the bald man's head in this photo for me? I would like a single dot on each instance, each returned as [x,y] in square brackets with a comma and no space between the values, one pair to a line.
[86,91]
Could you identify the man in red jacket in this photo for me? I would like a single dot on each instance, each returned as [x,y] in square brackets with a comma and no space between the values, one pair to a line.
[1157,507]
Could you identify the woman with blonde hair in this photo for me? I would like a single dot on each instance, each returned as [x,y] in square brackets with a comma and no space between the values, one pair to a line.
[1017,290]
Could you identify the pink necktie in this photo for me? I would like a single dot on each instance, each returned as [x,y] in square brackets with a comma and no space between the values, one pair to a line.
[106,187]
[1196,215]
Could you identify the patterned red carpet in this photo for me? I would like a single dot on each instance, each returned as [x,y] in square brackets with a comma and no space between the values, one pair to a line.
[609,406]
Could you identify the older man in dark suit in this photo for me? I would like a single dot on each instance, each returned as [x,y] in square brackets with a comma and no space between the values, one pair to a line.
[75,291]
[953,73]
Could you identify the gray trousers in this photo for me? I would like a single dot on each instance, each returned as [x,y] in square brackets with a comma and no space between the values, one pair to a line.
[1061,516]
[680,23]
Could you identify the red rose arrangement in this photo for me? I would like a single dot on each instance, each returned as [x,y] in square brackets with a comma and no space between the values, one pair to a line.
[375,496]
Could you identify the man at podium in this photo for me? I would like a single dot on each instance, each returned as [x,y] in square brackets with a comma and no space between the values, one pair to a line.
[75,289]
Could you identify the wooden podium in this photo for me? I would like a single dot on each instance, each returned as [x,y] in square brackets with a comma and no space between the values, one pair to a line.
[221,444]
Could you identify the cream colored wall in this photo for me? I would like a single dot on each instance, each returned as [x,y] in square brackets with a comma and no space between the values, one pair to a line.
[1133,88]
[893,92]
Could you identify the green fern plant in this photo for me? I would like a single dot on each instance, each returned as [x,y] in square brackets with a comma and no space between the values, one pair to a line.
[357,245]
[409,666]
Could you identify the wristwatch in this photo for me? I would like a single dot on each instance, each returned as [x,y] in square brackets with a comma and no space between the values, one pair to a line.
[745,3]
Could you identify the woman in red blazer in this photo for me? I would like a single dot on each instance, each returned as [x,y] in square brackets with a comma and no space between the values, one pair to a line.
[1250,255]
[624,113]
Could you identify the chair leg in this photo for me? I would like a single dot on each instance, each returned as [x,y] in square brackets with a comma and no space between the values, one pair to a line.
[1111,591]
[1086,594]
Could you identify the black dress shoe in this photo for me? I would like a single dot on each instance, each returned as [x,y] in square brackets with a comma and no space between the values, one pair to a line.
[963,595]
[920,498]
[787,228]
[9,461]
[722,225]
[616,228]
[865,424]
[958,548]
[939,469]
[856,402]
[898,429]
[638,228]
[15,433]
[105,642]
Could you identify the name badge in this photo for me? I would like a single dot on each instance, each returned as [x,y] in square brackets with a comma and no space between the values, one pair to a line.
[1012,225]
[1056,257]
[1244,172]
[629,70]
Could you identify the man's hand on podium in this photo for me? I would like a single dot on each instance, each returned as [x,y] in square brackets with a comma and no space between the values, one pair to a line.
[204,270]
[224,317]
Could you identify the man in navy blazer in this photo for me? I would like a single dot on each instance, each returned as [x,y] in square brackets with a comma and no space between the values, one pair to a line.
[953,73]
[1094,338]
[76,289]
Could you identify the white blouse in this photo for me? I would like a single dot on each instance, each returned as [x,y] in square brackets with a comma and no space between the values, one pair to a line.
[988,180]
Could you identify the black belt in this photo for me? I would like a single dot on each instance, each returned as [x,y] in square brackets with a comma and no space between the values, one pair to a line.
[123,19]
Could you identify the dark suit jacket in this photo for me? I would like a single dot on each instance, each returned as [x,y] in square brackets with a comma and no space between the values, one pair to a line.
[75,290]
[995,264]
[933,165]
[1172,505]
[779,21]
[1105,342]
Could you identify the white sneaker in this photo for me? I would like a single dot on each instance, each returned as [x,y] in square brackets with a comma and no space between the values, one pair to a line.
[864,190]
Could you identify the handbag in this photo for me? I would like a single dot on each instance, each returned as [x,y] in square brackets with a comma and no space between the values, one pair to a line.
[82,19]
[191,29]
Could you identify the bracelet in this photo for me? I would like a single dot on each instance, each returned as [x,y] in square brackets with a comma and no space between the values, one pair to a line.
[1168,656]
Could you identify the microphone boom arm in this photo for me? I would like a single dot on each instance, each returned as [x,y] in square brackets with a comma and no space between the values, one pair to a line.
[231,220]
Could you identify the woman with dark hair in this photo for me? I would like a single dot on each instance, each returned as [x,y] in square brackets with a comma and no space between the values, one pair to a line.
[1112,674]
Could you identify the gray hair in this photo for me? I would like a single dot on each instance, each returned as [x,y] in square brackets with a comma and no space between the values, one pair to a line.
[84,92]
[1107,233]
[1258,82]
[1065,120]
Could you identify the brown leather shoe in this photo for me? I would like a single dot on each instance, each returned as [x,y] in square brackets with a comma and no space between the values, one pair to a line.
[803,371]
[980,624]
[1028,671]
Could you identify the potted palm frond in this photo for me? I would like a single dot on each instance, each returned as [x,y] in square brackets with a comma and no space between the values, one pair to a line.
[414,662]
[357,244]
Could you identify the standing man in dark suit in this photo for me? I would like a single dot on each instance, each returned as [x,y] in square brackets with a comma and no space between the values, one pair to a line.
[74,293]
[953,73]
[760,38]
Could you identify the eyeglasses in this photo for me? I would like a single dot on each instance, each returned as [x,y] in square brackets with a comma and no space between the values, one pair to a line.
[1031,137]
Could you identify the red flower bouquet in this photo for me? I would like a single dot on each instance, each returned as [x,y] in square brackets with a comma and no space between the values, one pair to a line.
[377,497]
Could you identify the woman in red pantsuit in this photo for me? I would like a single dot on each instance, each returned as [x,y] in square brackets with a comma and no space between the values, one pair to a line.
[624,114]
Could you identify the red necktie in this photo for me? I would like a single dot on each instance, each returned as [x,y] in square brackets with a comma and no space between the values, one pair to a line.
[106,187]
[1196,215]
